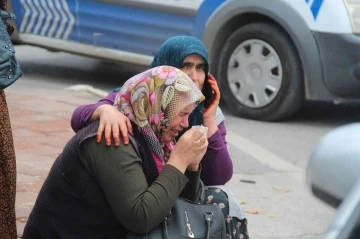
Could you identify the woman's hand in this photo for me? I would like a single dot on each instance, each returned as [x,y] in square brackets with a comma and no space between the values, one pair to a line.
[189,150]
[209,115]
[113,122]
[210,111]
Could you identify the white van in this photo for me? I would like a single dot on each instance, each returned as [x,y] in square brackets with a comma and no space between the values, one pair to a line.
[268,56]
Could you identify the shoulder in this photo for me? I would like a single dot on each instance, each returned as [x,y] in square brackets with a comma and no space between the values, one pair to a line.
[94,151]
[107,161]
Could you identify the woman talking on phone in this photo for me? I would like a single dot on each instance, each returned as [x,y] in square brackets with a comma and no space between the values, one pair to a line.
[188,54]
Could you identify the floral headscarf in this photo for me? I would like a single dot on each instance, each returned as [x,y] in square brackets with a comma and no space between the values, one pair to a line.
[152,99]
[172,53]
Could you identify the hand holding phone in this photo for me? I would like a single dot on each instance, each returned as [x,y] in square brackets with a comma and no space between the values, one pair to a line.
[211,109]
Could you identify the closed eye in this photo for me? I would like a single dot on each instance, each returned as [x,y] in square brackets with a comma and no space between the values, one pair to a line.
[183,114]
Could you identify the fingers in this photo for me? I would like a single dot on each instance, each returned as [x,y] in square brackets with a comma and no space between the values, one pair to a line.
[216,98]
[211,77]
[200,139]
[112,124]
[202,144]
[108,134]
[99,132]
[196,134]
[204,147]
[124,132]
[204,130]
[115,134]
[114,131]
[197,139]
[129,127]
[214,85]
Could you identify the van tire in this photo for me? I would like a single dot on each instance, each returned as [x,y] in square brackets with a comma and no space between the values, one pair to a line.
[290,95]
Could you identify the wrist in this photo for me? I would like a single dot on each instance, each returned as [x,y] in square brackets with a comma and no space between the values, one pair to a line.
[96,114]
[177,163]
[209,122]
[212,126]
[193,167]
[210,118]
[101,108]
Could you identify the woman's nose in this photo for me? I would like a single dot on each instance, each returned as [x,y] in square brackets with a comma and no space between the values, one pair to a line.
[193,75]
[185,123]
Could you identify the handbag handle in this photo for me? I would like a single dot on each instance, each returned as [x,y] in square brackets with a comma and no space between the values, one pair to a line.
[202,194]
[165,230]
[208,220]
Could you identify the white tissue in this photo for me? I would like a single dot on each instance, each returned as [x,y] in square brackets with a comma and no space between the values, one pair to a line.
[201,128]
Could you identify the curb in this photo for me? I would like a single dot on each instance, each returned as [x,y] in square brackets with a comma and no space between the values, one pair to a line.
[87,88]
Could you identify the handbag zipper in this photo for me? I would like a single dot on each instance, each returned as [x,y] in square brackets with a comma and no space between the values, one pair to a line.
[190,233]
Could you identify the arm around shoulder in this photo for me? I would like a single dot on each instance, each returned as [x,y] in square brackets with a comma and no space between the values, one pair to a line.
[83,115]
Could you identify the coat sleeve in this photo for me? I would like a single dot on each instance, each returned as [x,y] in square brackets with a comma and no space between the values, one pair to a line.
[217,167]
[118,171]
[82,113]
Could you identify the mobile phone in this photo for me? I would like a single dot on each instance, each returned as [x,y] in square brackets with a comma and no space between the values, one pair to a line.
[208,93]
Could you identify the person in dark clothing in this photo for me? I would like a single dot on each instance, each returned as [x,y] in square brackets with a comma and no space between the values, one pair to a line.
[95,191]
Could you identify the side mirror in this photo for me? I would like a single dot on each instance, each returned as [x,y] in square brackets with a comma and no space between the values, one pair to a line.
[333,176]
[334,165]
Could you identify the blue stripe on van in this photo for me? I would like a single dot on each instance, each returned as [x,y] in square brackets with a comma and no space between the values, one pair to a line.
[315,7]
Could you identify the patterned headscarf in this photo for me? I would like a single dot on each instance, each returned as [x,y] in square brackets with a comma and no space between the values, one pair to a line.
[173,52]
[151,100]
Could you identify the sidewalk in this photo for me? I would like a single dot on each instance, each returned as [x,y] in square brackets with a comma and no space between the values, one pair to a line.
[41,127]
[278,204]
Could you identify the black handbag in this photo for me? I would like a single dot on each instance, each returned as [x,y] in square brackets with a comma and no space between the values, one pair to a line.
[189,220]
[9,67]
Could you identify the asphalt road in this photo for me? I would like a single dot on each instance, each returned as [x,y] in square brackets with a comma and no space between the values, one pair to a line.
[260,150]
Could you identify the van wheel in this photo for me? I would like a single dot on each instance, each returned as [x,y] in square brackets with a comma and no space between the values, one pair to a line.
[260,73]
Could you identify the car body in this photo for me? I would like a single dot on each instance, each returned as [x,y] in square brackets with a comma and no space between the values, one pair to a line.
[268,56]
[333,176]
